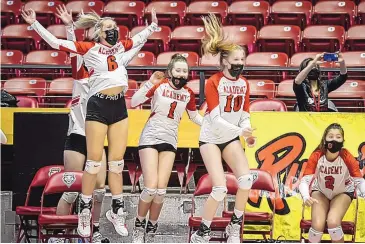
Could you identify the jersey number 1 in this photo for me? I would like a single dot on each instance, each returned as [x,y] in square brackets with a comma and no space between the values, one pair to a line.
[112,65]
[172,110]
[330,181]
[236,105]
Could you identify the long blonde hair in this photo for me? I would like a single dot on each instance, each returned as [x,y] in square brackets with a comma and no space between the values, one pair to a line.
[215,42]
[89,20]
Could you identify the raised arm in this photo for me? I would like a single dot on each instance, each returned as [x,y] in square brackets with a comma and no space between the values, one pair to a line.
[304,73]
[147,90]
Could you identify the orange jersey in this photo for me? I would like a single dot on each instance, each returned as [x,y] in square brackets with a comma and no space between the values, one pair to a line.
[228,109]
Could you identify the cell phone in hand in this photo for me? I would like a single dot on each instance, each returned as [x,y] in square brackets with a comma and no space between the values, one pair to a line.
[330,57]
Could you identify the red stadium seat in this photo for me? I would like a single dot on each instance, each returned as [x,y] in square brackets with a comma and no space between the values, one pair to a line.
[350,96]
[169,13]
[163,59]
[27,213]
[323,38]
[60,90]
[203,8]
[194,85]
[46,57]
[242,35]
[86,6]
[260,105]
[266,59]
[123,32]
[292,13]
[10,12]
[143,58]
[27,102]
[20,37]
[45,11]
[209,60]
[157,42]
[59,31]
[279,38]
[249,13]
[26,86]
[361,13]
[129,13]
[187,38]
[335,12]
[262,88]
[354,59]
[355,38]
[11,57]
[132,88]
[286,94]
[48,222]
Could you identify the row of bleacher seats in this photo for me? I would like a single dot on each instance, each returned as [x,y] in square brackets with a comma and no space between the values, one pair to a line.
[271,38]
[177,13]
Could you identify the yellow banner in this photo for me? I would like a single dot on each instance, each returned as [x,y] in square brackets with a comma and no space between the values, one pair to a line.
[285,141]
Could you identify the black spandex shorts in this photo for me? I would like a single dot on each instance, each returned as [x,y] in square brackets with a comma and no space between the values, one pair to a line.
[106,109]
[221,146]
[76,142]
[163,147]
[350,194]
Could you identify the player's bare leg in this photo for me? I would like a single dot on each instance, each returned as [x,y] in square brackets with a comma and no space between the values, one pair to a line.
[212,158]
[117,143]
[319,216]
[236,159]
[338,208]
[165,164]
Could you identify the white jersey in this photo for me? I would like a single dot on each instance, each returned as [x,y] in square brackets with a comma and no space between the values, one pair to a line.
[331,178]
[104,64]
[227,114]
[168,105]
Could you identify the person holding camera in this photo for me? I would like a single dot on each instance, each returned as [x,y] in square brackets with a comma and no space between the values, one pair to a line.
[311,91]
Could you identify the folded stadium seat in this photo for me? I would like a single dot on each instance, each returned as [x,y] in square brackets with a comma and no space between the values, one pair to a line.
[10,57]
[46,57]
[27,213]
[132,88]
[203,8]
[286,94]
[27,102]
[279,38]
[143,58]
[254,13]
[169,13]
[242,35]
[49,222]
[45,11]
[86,6]
[163,59]
[323,38]
[361,13]
[157,42]
[354,59]
[350,96]
[355,38]
[261,89]
[59,31]
[260,105]
[60,91]
[335,12]
[129,13]
[20,37]
[266,59]
[292,13]
[187,38]
[31,86]
[10,12]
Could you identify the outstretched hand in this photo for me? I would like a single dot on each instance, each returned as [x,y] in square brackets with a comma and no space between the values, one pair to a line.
[64,15]
[29,16]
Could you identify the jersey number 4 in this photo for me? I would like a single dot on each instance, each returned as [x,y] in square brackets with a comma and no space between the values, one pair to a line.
[329,182]
[236,104]
[112,65]
[172,110]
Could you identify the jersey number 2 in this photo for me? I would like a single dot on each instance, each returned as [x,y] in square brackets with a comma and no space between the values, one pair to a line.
[172,110]
[330,181]
[112,65]
[236,105]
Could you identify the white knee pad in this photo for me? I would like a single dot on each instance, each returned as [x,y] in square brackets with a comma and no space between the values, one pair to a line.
[219,193]
[99,195]
[160,195]
[116,166]
[336,233]
[314,236]
[148,194]
[92,167]
[245,182]
[70,197]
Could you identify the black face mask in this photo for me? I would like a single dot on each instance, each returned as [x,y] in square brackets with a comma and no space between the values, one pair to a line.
[333,146]
[235,70]
[179,82]
[112,36]
[314,74]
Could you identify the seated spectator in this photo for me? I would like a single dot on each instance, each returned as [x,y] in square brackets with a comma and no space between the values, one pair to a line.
[311,91]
